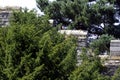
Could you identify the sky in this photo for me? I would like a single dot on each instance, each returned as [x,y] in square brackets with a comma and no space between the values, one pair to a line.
[23,3]
[30,4]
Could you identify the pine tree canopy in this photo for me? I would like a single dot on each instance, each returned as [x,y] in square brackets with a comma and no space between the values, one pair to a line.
[31,49]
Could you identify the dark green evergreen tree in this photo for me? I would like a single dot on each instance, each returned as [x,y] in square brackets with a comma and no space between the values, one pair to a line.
[31,49]
[116,76]
[102,44]
[82,13]
[90,69]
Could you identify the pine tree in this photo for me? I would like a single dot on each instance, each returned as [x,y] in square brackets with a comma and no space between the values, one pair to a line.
[31,49]
[102,44]
[116,76]
[90,69]
[82,13]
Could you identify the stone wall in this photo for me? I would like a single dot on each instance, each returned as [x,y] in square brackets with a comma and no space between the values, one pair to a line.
[115,48]
[81,40]
[5,14]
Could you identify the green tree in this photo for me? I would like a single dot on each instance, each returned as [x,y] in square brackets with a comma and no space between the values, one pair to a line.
[34,50]
[63,10]
[102,44]
[80,12]
[90,69]
[116,76]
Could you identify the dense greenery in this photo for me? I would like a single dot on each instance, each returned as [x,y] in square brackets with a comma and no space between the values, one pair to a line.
[32,49]
[89,70]
[116,75]
[83,14]
[102,44]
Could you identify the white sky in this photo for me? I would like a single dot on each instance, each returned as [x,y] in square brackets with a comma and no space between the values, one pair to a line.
[30,4]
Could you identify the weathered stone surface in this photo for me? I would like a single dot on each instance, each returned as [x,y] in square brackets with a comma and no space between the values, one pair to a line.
[115,48]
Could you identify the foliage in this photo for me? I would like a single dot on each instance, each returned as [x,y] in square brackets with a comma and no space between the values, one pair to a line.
[31,49]
[24,17]
[80,12]
[116,76]
[89,69]
[102,44]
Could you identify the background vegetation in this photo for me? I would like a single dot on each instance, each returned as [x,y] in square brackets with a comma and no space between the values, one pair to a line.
[32,49]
